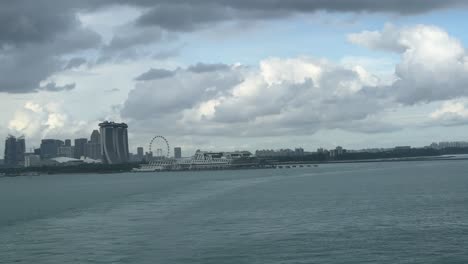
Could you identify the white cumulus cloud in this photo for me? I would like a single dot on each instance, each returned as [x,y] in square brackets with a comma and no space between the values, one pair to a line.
[433,65]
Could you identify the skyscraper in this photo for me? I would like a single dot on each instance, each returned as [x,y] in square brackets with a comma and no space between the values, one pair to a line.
[140,154]
[114,141]
[80,147]
[177,153]
[68,143]
[93,151]
[66,151]
[95,137]
[20,149]
[14,150]
[50,148]
[140,151]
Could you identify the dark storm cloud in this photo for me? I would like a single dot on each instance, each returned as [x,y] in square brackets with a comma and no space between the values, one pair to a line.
[23,67]
[35,35]
[154,74]
[187,15]
[23,22]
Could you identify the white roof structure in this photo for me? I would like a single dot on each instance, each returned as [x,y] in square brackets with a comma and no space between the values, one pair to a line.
[72,160]
[88,160]
[65,160]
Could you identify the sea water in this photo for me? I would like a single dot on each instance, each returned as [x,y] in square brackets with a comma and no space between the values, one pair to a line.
[402,212]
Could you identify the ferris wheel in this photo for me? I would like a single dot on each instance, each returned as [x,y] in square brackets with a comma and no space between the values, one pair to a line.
[161,145]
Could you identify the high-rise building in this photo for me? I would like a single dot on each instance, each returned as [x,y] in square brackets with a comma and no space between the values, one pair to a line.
[14,150]
[68,143]
[140,151]
[68,152]
[10,151]
[114,141]
[50,148]
[93,151]
[140,154]
[37,151]
[20,150]
[80,147]
[95,137]
[93,147]
[177,152]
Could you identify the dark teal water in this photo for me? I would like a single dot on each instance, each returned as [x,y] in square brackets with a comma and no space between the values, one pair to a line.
[414,212]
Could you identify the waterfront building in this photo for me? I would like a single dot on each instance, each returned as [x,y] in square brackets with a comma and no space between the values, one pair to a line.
[140,151]
[93,146]
[66,151]
[299,152]
[14,150]
[402,149]
[114,141]
[93,151]
[95,137]
[177,152]
[32,160]
[37,151]
[20,150]
[80,147]
[237,155]
[279,153]
[50,147]
[140,156]
[337,152]
[201,160]
[454,144]
[10,151]
[149,156]
[68,143]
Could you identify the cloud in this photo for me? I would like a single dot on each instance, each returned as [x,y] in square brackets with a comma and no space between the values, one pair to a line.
[36,39]
[153,74]
[187,15]
[130,42]
[75,63]
[38,121]
[53,87]
[451,113]
[22,23]
[181,89]
[295,96]
[386,40]
[433,66]
[168,53]
[203,67]
[27,61]
[112,90]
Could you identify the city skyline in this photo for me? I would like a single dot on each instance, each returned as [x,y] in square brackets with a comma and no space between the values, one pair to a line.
[141,151]
[237,75]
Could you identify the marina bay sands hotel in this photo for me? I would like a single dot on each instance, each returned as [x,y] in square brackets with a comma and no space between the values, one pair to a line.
[114,142]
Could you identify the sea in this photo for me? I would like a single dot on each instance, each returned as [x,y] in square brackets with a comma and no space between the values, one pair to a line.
[399,212]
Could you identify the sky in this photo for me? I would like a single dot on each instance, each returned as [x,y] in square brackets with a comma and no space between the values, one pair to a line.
[237,75]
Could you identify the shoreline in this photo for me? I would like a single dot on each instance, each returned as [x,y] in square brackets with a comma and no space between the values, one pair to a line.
[274,165]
